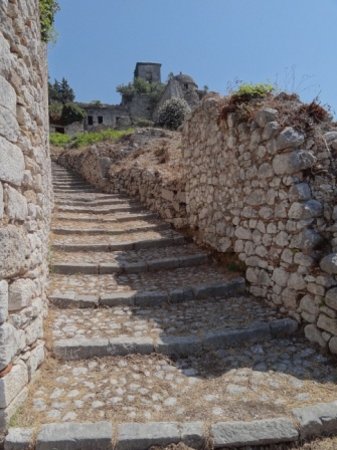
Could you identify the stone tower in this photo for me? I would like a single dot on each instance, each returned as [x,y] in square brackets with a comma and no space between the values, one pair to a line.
[148,71]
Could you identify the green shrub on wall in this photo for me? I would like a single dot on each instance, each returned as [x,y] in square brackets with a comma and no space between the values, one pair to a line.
[48,9]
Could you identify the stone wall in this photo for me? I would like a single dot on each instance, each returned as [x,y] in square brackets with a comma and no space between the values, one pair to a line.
[257,187]
[25,199]
[113,168]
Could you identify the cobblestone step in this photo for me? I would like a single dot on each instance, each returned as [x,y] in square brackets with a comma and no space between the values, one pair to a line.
[72,299]
[109,230]
[104,243]
[90,203]
[205,281]
[88,197]
[163,356]
[104,218]
[185,326]
[127,267]
[100,210]
[239,395]
[78,348]
[81,191]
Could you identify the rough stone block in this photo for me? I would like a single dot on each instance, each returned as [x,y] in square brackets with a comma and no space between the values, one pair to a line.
[8,344]
[307,210]
[283,327]
[8,413]
[12,164]
[5,55]
[317,419]
[35,359]
[16,204]
[13,250]
[327,323]
[289,138]
[300,192]
[331,298]
[19,439]
[12,384]
[3,301]
[21,293]
[7,95]
[313,334]
[118,299]
[136,436]
[257,432]
[289,163]
[75,436]
[308,240]
[2,205]
[150,298]
[265,116]
[9,127]
[329,263]
[193,434]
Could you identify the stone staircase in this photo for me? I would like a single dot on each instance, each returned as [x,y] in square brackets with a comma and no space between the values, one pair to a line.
[153,342]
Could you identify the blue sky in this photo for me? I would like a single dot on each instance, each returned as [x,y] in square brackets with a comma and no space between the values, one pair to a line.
[288,42]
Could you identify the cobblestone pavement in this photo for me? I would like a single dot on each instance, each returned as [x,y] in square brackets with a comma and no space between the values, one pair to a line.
[141,255]
[253,382]
[193,317]
[160,280]
[249,379]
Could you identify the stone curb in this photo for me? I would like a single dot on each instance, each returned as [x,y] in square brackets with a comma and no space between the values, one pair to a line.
[141,436]
[95,231]
[136,245]
[82,348]
[96,210]
[232,288]
[142,266]
[123,219]
[317,420]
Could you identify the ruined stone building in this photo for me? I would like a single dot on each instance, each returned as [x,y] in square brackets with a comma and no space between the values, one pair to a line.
[139,106]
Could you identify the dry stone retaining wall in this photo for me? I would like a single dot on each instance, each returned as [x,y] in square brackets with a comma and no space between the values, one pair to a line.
[25,199]
[266,192]
[107,170]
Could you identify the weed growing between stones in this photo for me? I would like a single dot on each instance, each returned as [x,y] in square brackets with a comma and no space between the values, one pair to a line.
[48,9]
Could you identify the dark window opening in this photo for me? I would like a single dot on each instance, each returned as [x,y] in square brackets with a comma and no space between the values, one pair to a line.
[100,119]
[186,86]
[59,130]
[90,120]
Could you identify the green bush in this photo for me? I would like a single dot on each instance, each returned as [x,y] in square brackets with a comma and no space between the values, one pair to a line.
[55,112]
[59,139]
[141,86]
[48,9]
[247,91]
[72,113]
[173,113]
[87,138]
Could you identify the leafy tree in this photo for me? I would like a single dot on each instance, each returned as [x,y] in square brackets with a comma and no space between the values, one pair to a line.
[71,113]
[55,112]
[60,91]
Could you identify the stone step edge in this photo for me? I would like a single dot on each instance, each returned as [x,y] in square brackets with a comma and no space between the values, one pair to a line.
[309,422]
[93,203]
[137,267]
[99,211]
[107,220]
[136,245]
[82,348]
[232,288]
[94,231]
